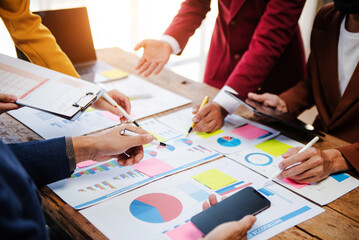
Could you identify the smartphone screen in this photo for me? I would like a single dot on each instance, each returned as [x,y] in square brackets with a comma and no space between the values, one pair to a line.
[248,201]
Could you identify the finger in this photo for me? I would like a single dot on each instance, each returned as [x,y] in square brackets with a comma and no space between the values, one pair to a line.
[201,114]
[195,109]
[139,45]
[4,107]
[134,129]
[7,98]
[140,63]
[138,154]
[290,152]
[297,158]
[247,222]
[212,199]
[256,97]
[159,68]
[310,168]
[144,67]
[295,171]
[151,69]
[205,205]
[209,127]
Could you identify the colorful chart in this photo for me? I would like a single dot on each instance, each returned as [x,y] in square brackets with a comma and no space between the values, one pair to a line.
[227,141]
[149,154]
[99,168]
[185,141]
[258,159]
[168,147]
[156,208]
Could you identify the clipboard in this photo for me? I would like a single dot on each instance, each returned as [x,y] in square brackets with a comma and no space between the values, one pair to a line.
[46,90]
[269,112]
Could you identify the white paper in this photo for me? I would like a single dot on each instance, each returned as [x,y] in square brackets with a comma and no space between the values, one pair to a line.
[226,141]
[322,192]
[116,217]
[42,88]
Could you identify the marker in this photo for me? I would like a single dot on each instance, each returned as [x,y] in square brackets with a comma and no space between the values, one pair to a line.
[128,132]
[279,171]
[114,103]
[204,102]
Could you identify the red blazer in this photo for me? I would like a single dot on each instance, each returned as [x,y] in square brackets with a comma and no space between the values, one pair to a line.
[256,44]
[338,116]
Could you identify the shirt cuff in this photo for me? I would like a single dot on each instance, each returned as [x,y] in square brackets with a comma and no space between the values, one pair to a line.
[70,153]
[172,42]
[226,101]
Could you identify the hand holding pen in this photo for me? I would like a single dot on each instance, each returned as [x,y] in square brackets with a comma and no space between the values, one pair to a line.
[204,102]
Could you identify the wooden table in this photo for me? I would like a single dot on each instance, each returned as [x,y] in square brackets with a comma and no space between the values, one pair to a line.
[339,221]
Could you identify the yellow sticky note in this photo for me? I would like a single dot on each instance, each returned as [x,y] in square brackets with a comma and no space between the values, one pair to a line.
[207,135]
[214,179]
[115,74]
[90,109]
[273,147]
[159,138]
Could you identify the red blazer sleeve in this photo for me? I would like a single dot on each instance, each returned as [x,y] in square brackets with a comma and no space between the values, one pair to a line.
[271,37]
[351,154]
[187,20]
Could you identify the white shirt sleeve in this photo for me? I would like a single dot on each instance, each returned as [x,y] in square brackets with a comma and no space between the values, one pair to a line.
[172,42]
[226,101]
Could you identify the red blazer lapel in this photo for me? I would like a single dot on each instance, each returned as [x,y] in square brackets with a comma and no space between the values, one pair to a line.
[235,6]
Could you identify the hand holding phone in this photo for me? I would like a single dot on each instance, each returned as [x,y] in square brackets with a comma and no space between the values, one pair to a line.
[248,201]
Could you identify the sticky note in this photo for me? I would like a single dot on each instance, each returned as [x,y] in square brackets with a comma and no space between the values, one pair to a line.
[115,74]
[207,135]
[339,177]
[90,109]
[86,163]
[249,132]
[152,167]
[111,116]
[273,147]
[294,184]
[186,231]
[158,137]
[214,179]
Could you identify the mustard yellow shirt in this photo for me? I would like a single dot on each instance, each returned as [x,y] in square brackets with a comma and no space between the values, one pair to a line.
[33,38]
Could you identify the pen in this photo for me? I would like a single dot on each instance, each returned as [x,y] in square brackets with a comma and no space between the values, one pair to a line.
[114,103]
[204,102]
[279,171]
[128,132]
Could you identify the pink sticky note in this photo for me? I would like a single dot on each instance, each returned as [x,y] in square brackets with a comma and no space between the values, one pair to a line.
[86,163]
[186,231]
[249,132]
[152,166]
[294,184]
[111,116]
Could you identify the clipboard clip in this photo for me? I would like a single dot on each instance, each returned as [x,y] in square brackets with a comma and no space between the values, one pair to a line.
[88,103]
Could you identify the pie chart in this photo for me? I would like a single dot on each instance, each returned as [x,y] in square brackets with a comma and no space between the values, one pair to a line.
[259,159]
[150,153]
[156,208]
[227,141]
[168,147]
[185,141]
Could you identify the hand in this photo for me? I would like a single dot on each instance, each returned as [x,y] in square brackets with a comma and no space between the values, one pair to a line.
[7,102]
[210,118]
[121,99]
[229,230]
[155,55]
[314,166]
[270,100]
[111,144]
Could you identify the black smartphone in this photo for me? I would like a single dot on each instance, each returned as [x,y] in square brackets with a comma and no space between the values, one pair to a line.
[247,201]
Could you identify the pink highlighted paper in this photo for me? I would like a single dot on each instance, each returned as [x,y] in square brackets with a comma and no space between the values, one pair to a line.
[152,166]
[249,132]
[294,184]
[186,231]
[86,163]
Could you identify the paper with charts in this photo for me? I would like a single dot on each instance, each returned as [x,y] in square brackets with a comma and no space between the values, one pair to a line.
[148,99]
[236,134]
[34,86]
[96,183]
[162,209]
[264,158]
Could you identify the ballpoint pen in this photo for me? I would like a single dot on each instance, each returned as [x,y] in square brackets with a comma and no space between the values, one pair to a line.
[114,103]
[204,102]
[279,171]
[128,132]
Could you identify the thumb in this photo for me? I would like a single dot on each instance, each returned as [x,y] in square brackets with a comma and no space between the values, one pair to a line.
[247,222]
[139,45]
[7,98]
[195,109]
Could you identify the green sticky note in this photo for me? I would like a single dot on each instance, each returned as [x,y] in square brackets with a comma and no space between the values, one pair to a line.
[115,74]
[273,147]
[207,135]
[214,179]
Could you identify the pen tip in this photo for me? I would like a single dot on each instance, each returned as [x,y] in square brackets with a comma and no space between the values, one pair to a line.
[137,125]
[189,131]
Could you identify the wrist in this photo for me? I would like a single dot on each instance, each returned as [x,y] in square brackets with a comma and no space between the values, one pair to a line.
[338,161]
[84,148]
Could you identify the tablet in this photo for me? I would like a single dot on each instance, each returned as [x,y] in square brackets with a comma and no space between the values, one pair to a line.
[284,118]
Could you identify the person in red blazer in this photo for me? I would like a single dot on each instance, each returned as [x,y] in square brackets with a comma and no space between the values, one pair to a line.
[256,46]
[332,85]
